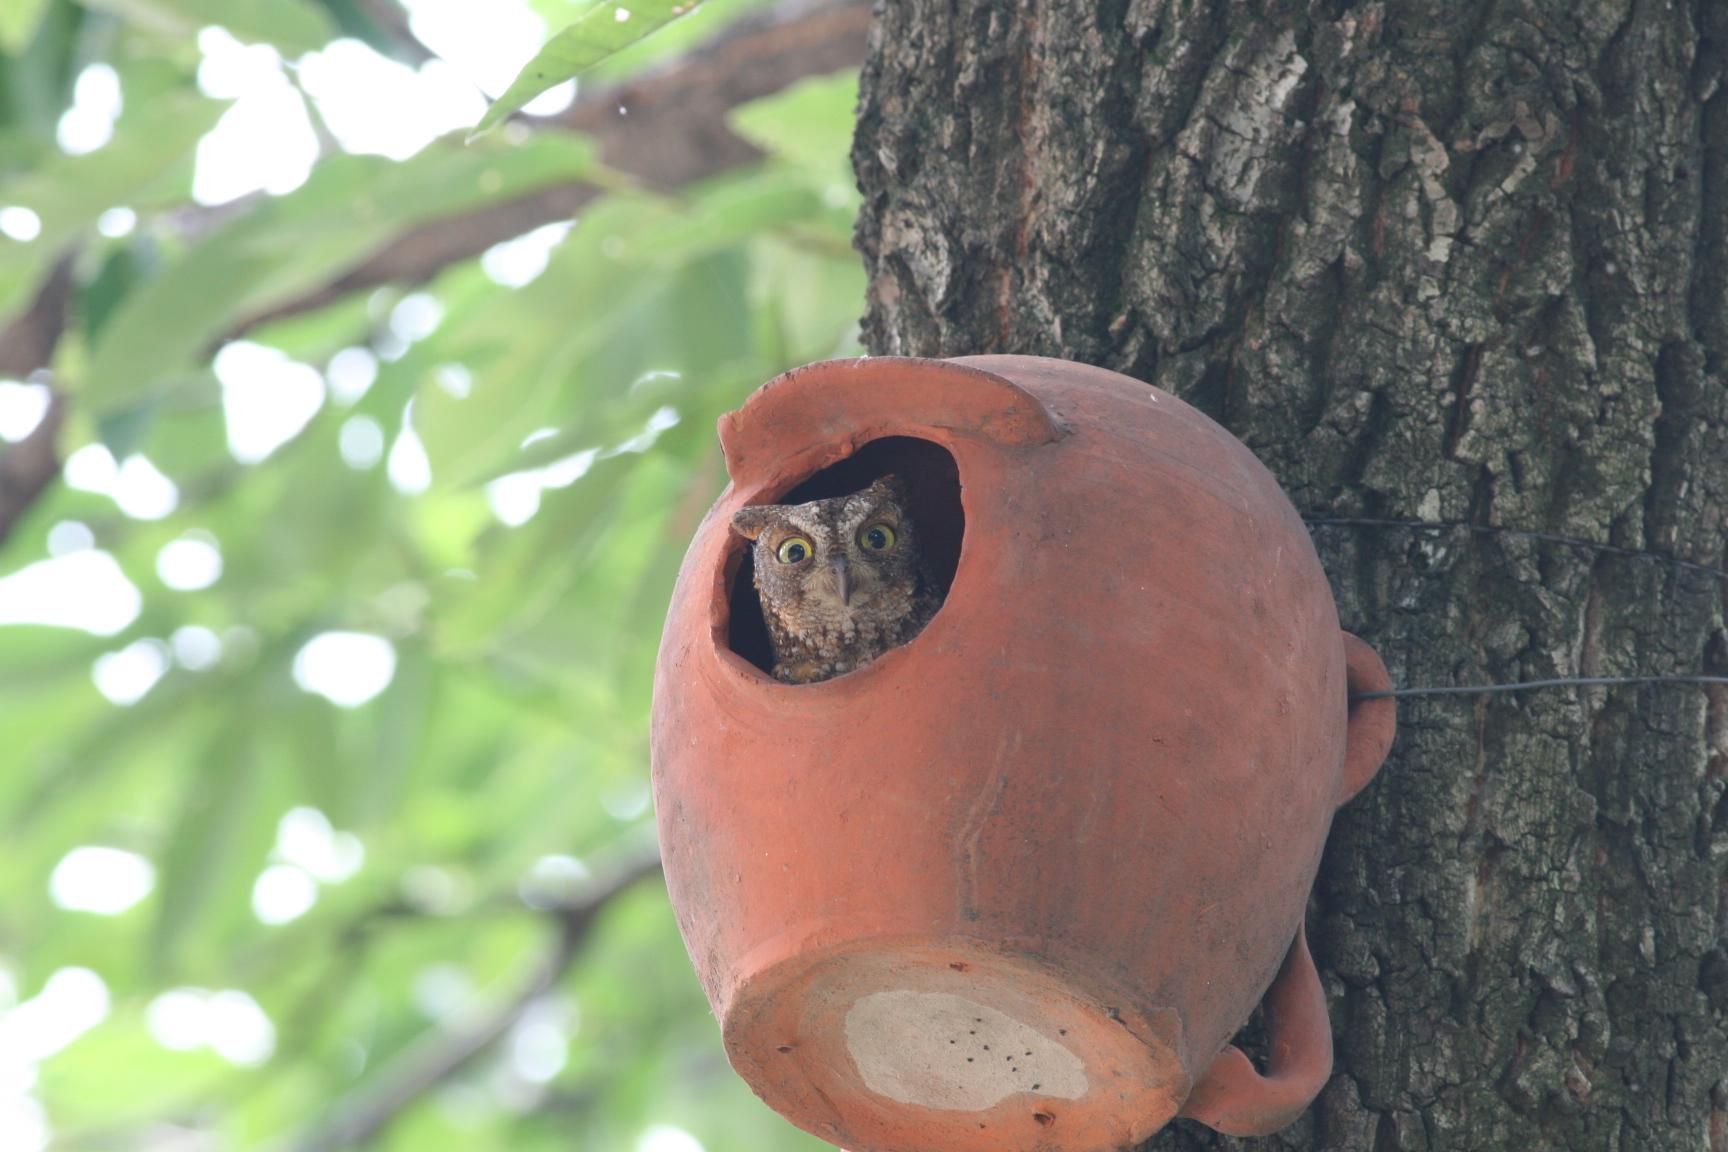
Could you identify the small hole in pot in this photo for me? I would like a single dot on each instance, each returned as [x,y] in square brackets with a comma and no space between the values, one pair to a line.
[959,967]
[1045,1119]
[784,1048]
[932,483]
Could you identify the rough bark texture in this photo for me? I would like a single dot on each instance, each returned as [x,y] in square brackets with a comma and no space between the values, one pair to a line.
[1456,261]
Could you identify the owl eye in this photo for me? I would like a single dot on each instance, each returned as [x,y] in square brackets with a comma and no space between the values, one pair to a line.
[877,538]
[793,549]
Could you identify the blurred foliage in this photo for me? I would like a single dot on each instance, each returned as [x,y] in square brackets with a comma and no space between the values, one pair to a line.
[514,727]
[603,30]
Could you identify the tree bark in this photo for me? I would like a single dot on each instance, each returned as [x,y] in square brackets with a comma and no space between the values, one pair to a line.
[1456,262]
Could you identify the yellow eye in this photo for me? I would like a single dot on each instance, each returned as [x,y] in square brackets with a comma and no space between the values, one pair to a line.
[793,549]
[876,538]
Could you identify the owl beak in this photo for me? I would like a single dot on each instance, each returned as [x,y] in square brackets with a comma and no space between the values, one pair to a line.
[842,579]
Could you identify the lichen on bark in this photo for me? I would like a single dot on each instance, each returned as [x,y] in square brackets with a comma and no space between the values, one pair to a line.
[1462,262]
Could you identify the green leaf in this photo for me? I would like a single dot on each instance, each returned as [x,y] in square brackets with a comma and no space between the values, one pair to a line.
[603,30]
[808,124]
[295,26]
[18,20]
[148,160]
[288,245]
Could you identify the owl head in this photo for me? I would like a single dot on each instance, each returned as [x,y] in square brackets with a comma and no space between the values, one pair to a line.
[833,558]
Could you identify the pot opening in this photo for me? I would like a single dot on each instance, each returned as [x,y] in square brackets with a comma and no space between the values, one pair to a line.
[932,483]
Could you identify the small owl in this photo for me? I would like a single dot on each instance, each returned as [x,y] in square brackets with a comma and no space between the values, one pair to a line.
[841,580]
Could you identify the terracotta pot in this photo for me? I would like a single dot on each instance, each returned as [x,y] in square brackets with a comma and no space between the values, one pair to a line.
[1014,885]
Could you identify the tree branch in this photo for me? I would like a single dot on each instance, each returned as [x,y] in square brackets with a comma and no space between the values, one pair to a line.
[441,1054]
[27,347]
[666,128]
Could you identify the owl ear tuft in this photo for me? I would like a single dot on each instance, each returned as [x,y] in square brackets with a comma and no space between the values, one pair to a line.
[890,487]
[750,522]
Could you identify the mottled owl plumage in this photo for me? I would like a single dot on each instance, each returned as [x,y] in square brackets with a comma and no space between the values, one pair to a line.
[832,597]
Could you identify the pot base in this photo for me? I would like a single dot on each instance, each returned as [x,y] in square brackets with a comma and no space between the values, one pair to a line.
[906,1046]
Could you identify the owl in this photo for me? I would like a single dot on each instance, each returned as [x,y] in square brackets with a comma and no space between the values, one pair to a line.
[841,580]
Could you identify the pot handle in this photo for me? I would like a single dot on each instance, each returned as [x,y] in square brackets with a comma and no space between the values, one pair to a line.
[1373,723]
[1235,1099]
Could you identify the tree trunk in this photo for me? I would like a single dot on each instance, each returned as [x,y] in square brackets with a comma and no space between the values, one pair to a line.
[1461,262]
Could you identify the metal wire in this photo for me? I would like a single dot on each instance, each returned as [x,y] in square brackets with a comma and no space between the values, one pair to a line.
[1516,534]
[1531,685]
[1542,538]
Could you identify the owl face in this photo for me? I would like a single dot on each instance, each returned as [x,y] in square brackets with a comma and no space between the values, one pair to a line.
[832,561]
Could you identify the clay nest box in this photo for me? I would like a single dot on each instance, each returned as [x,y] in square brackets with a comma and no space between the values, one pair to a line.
[1016,883]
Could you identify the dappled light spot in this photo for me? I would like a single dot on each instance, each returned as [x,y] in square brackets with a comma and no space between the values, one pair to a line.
[566,471]
[142,492]
[519,262]
[189,563]
[195,648]
[283,892]
[437,891]
[539,1043]
[416,316]
[361,443]
[267,398]
[350,373]
[265,142]
[553,880]
[305,838]
[126,677]
[86,591]
[455,380]
[346,668]
[372,104]
[106,881]
[441,991]
[69,536]
[627,801]
[96,104]
[239,1031]
[91,468]
[667,1138]
[136,485]
[552,101]
[409,468]
[20,223]
[23,1124]
[22,407]
[176,1019]
[73,1001]
[229,1023]
[117,222]
[515,498]
[663,418]
[488,43]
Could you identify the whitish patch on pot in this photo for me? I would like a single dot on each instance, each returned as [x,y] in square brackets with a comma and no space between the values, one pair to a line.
[936,1050]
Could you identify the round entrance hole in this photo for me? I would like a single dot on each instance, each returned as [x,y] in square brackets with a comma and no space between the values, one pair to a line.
[932,484]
